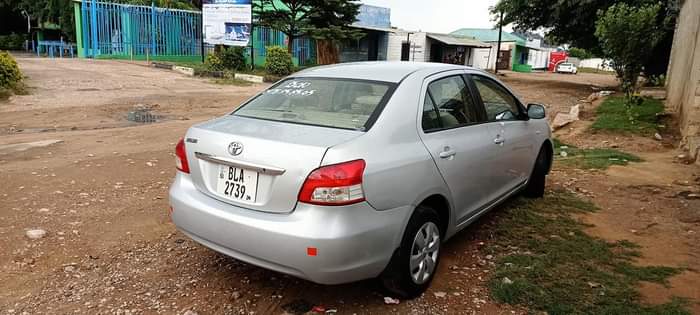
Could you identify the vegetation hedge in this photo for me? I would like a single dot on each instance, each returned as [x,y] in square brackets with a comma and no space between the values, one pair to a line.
[10,75]
[278,61]
[12,42]
[227,58]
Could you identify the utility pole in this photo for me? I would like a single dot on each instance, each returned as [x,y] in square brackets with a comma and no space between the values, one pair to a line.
[498,49]
[29,30]
[29,21]
[408,41]
[201,33]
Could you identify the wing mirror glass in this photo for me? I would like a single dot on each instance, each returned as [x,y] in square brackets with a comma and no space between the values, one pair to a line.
[536,111]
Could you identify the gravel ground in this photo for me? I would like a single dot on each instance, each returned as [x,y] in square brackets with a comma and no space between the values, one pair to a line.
[99,191]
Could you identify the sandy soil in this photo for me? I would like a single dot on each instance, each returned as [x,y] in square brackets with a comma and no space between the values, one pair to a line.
[101,194]
[558,92]
[76,94]
[643,203]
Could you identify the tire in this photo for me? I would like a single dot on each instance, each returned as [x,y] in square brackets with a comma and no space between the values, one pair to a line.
[538,178]
[398,278]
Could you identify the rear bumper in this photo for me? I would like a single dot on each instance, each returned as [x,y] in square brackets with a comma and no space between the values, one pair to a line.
[353,242]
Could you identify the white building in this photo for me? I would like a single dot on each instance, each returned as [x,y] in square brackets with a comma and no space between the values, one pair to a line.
[406,45]
[596,63]
[537,52]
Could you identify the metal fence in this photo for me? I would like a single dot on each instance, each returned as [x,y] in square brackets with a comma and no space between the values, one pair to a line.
[52,48]
[112,30]
[303,48]
[119,30]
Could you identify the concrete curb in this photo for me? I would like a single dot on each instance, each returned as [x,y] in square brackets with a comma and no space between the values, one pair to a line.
[184,70]
[190,72]
[161,65]
[249,77]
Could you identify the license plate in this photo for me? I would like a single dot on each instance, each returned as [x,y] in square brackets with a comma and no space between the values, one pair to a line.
[237,184]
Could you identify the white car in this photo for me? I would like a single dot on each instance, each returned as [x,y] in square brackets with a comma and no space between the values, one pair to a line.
[567,67]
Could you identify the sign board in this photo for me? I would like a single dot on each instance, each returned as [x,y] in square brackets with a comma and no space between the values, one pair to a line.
[227,22]
[372,16]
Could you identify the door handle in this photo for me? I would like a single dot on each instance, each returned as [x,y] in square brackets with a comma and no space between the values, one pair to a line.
[448,153]
[499,140]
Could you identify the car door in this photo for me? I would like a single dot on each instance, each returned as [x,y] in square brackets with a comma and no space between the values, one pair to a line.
[509,130]
[452,130]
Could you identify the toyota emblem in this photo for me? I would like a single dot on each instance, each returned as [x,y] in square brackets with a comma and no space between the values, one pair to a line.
[235,148]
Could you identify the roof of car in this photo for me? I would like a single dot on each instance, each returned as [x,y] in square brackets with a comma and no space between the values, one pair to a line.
[388,71]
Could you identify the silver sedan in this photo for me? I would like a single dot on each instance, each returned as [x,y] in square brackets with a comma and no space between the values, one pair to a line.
[356,171]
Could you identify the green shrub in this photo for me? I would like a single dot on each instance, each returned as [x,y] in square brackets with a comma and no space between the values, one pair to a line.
[214,62]
[10,75]
[278,61]
[579,53]
[656,81]
[12,41]
[227,58]
[233,58]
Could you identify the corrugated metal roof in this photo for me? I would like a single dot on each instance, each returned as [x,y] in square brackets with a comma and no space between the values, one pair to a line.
[457,40]
[488,35]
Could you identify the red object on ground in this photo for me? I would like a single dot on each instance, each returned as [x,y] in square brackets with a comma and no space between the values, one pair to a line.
[555,58]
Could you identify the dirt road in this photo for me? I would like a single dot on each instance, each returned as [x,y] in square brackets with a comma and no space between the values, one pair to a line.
[100,192]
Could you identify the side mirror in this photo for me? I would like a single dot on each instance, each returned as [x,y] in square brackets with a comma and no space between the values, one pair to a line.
[536,111]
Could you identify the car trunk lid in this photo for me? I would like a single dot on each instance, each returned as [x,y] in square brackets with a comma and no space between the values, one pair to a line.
[255,163]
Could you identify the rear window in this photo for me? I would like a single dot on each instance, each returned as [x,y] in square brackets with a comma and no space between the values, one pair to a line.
[338,103]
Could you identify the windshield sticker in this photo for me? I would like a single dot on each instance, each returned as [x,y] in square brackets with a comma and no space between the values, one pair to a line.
[293,88]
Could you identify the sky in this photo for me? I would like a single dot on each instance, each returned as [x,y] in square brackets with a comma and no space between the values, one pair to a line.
[438,16]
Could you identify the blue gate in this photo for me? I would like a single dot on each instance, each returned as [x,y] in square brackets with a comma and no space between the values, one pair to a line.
[122,31]
[303,48]
[111,30]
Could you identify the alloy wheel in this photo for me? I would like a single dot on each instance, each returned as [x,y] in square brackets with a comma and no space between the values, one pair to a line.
[424,253]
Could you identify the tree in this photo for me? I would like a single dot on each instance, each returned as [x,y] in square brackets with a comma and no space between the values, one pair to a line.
[328,25]
[572,22]
[324,20]
[627,35]
[170,4]
[579,53]
[61,11]
[290,17]
[278,61]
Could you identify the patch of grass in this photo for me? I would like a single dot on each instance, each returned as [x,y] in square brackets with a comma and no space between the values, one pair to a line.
[591,158]
[201,69]
[233,81]
[612,115]
[553,266]
[594,70]
[257,71]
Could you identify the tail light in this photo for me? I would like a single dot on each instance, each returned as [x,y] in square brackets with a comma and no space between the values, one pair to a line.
[334,185]
[181,157]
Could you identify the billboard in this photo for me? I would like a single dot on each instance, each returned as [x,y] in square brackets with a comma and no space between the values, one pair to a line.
[227,22]
[373,16]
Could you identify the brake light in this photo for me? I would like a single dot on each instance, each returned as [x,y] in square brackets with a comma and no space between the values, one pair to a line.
[181,157]
[334,185]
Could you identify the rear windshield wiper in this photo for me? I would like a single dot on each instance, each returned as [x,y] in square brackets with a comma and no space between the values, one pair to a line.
[277,110]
